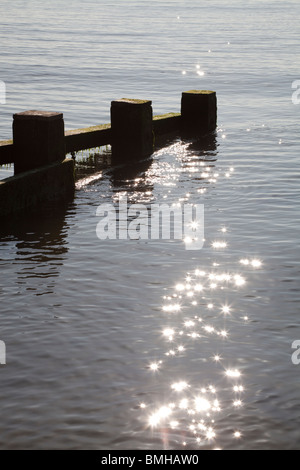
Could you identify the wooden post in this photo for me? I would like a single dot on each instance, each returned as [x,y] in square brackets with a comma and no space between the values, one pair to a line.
[132,128]
[39,139]
[199,111]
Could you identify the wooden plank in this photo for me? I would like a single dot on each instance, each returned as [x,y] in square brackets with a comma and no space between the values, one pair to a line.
[52,182]
[87,138]
[6,152]
[96,136]
[166,123]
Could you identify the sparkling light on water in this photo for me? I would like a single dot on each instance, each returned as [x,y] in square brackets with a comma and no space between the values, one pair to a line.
[179,386]
[205,312]
[154,366]
[219,245]
[226,310]
[172,308]
[233,373]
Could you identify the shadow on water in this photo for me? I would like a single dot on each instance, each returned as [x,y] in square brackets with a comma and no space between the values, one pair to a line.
[201,146]
[188,162]
[199,159]
[205,147]
[131,174]
[36,242]
[128,175]
[92,161]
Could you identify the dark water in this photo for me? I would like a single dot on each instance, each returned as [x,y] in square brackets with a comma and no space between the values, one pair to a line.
[143,344]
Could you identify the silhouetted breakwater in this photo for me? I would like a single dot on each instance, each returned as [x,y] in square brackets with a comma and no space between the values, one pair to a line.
[40,144]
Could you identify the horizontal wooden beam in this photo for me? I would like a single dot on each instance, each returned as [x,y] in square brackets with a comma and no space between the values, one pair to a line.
[6,152]
[166,123]
[54,182]
[88,138]
[96,136]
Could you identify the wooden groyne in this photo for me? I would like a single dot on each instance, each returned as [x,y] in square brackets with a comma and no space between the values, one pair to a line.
[40,144]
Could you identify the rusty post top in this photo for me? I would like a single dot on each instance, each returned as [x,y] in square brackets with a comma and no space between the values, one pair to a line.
[199,92]
[38,115]
[124,101]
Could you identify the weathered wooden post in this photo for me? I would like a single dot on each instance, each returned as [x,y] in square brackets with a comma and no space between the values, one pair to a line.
[42,173]
[132,128]
[199,111]
[39,139]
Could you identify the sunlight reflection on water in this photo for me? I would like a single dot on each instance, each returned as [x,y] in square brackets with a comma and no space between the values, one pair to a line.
[195,410]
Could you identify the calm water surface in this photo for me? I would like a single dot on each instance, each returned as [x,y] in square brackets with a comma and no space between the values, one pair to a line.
[143,344]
